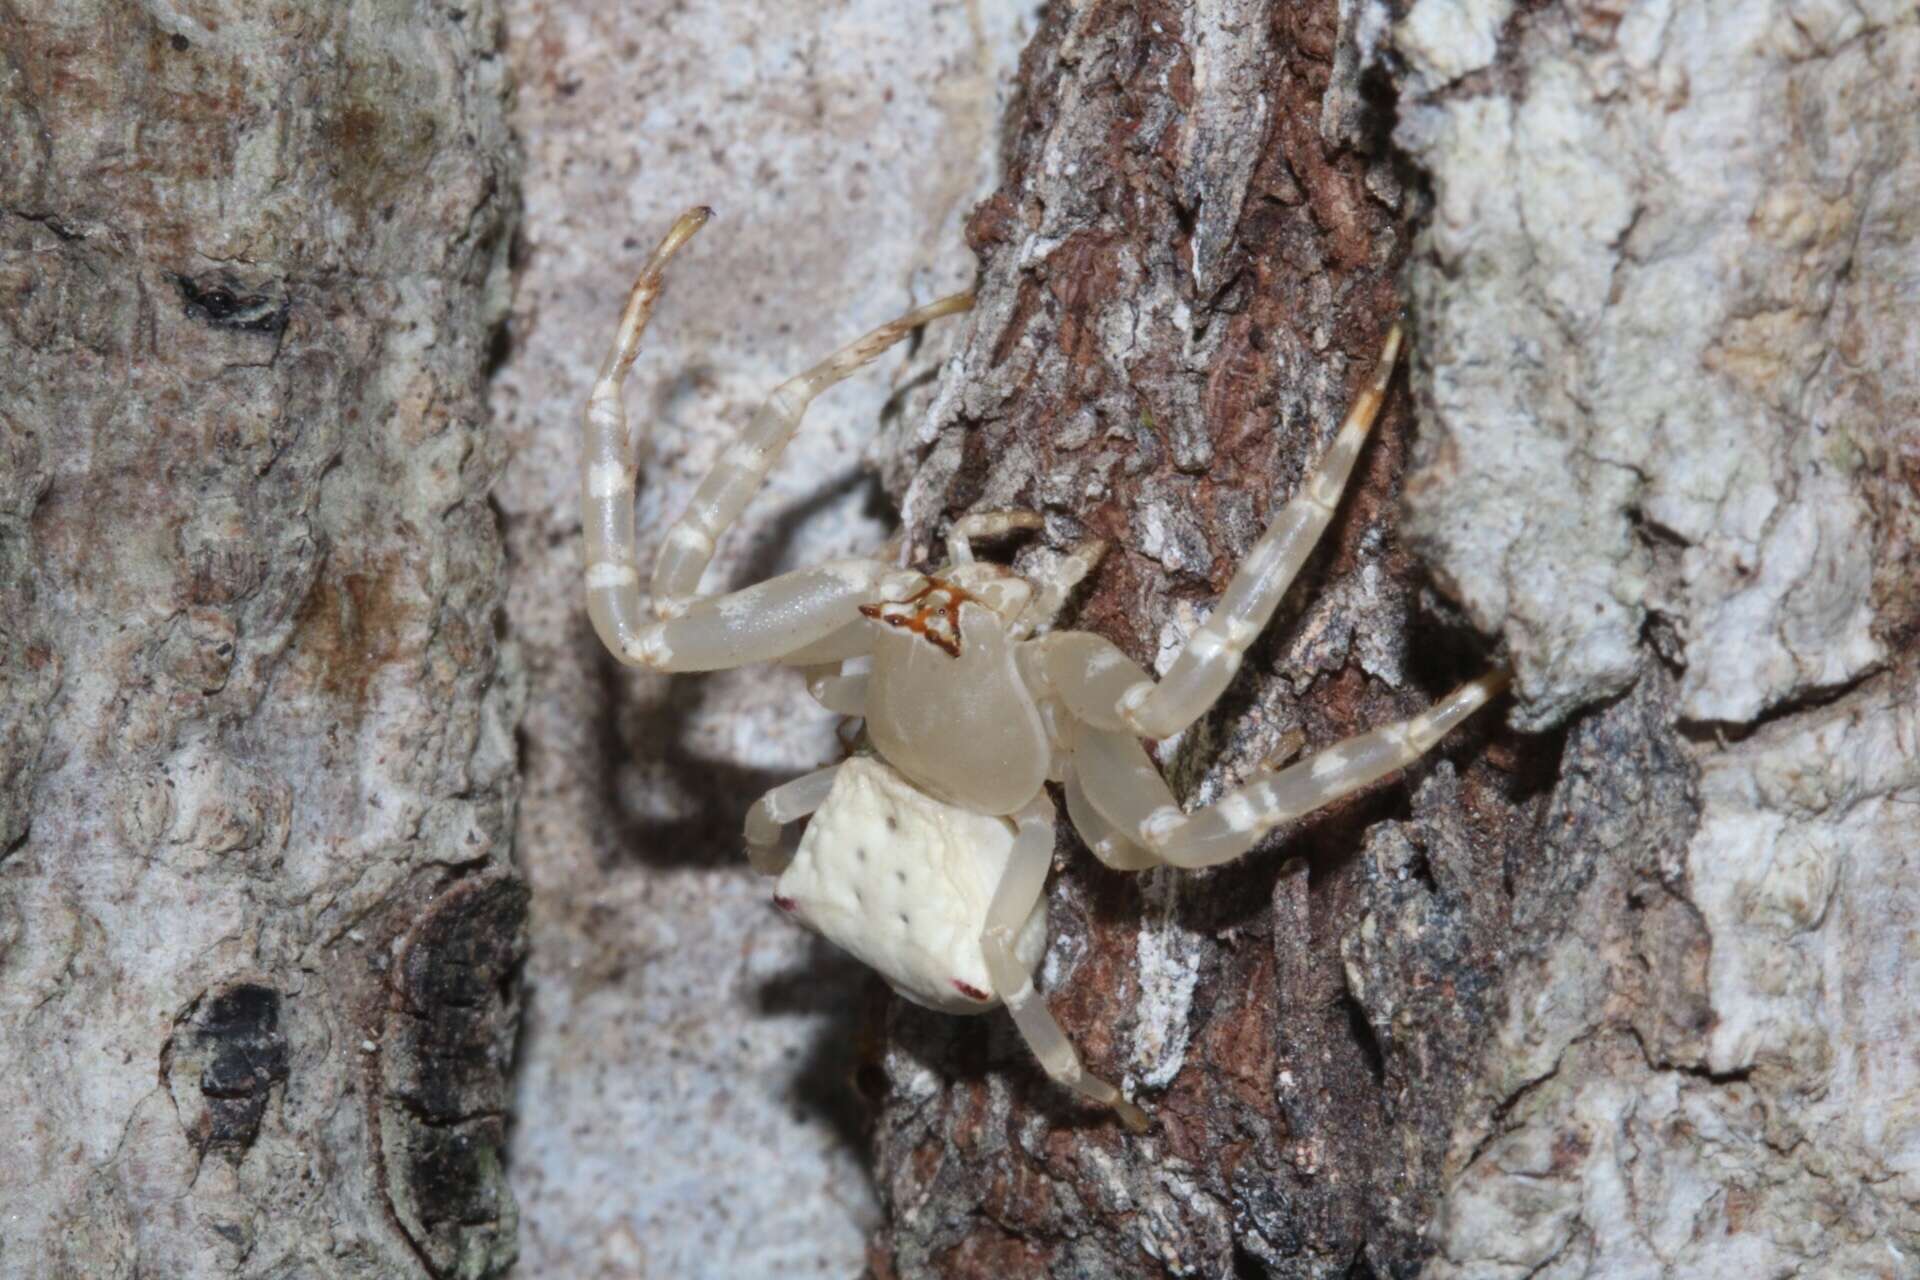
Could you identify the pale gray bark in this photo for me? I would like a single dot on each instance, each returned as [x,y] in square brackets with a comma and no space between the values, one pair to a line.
[257,922]
[1670,384]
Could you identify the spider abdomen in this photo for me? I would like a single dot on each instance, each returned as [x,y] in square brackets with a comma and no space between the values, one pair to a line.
[902,881]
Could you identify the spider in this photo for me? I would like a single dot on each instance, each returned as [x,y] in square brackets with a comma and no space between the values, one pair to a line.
[927,856]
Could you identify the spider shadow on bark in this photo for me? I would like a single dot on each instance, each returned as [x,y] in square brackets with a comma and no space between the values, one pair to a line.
[836,1076]
[649,734]
[713,793]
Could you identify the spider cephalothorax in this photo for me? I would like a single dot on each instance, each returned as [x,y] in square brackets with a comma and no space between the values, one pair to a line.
[928,859]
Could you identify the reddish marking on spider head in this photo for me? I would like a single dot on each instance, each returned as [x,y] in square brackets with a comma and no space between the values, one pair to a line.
[970,991]
[936,619]
[787,905]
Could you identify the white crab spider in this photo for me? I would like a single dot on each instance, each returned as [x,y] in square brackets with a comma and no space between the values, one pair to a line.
[928,859]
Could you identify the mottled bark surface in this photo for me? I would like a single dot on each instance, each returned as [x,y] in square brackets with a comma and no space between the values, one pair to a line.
[1626,993]
[1620,994]
[257,927]
[1670,378]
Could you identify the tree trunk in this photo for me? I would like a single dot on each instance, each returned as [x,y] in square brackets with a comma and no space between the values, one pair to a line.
[1615,986]
[258,921]
[1614,983]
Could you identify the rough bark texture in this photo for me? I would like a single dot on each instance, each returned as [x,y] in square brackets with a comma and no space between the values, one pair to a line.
[1620,995]
[1665,302]
[257,926]
[686,1105]
[1184,281]
[1626,993]
[1675,403]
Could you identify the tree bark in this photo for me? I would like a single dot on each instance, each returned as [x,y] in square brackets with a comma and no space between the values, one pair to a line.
[258,922]
[1613,986]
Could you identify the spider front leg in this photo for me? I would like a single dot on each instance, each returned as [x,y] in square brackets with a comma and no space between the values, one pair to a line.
[1211,657]
[1054,583]
[743,468]
[1024,880]
[758,624]
[763,623]
[985,524]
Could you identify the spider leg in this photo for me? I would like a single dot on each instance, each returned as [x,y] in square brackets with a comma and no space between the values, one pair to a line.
[788,802]
[763,622]
[1120,785]
[1020,887]
[743,468]
[607,463]
[1106,841]
[1087,673]
[1054,586]
[840,693]
[852,640]
[1076,677]
[1124,787]
[1211,656]
[985,524]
